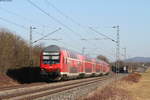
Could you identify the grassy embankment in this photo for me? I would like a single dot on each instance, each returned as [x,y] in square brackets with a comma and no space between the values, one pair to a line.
[134,87]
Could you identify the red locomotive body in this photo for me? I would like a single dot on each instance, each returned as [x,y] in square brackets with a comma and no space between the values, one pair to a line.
[57,62]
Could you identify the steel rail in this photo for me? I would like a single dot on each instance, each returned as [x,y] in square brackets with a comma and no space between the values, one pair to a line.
[47,88]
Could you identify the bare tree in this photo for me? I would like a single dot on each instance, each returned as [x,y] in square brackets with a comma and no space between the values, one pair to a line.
[14,51]
[104,58]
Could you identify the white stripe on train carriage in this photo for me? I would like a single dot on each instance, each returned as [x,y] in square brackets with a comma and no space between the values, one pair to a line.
[77,74]
[69,74]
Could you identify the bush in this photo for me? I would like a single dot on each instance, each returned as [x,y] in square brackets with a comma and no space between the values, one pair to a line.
[25,74]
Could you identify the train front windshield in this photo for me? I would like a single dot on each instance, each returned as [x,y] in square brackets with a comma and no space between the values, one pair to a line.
[51,57]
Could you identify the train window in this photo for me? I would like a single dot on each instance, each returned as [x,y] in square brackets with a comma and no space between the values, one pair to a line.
[79,63]
[68,61]
[51,57]
[50,53]
[65,60]
[72,55]
[45,57]
[54,57]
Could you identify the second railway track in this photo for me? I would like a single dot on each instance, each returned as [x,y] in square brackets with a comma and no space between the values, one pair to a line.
[30,93]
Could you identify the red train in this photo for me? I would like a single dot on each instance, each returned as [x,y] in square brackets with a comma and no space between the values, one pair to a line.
[57,62]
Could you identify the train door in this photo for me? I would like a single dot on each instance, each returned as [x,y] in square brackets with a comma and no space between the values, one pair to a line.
[64,62]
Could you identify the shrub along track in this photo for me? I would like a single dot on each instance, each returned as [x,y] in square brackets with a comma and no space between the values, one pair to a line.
[36,91]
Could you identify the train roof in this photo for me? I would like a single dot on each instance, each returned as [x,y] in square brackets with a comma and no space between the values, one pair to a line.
[58,48]
[53,48]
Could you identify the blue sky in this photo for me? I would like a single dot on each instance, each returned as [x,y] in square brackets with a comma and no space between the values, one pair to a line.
[131,15]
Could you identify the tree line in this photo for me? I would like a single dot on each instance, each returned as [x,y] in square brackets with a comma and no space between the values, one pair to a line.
[14,51]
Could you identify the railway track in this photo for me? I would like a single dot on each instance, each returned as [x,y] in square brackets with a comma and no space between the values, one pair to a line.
[20,86]
[37,91]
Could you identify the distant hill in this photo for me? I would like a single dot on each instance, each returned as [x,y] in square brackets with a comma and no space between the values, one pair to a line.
[138,59]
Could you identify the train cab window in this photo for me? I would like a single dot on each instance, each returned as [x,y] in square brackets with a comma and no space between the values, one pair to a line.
[51,57]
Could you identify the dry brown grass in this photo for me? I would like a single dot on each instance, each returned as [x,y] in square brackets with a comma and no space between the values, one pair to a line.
[132,78]
[119,90]
[110,93]
[6,81]
[141,90]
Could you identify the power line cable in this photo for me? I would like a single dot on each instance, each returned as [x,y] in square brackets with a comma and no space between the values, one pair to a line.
[53,18]
[47,35]
[100,48]
[66,16]
[15,14]
[62,42]
[10,22]
[63,14]
[15,24]
[18,15]
[102,34]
